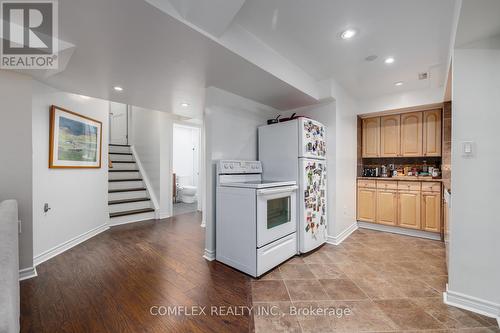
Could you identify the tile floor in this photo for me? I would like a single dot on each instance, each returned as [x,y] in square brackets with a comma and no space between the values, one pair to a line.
[372,282]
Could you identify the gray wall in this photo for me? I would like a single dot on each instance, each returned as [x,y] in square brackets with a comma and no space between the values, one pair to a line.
[475,227]
[151,136]
[73,213]
[231,123]
[16,154]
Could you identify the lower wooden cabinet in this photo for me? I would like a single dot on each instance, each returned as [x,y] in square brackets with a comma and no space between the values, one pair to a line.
[405,204]
[431,211]
[367,203]
[387,207]
[409,209]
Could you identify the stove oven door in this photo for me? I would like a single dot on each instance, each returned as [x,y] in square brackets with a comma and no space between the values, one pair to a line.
[276,213]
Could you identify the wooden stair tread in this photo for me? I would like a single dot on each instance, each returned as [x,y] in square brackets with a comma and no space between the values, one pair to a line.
[127,190]
[111,153]
[125,180]
[122,162]
[117,202]
[118,145]
[124,170]
[131,212]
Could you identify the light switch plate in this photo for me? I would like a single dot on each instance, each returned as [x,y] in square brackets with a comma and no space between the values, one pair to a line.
[468,149]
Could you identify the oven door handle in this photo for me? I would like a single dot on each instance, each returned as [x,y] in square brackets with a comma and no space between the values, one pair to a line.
[282,189]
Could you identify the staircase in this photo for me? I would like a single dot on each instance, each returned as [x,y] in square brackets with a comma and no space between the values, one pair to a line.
[129,200]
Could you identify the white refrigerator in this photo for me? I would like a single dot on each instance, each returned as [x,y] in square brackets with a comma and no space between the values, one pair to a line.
[296,150]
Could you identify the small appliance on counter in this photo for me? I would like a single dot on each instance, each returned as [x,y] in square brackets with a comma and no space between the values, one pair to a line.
[255,219]
[370,172]
[383,171]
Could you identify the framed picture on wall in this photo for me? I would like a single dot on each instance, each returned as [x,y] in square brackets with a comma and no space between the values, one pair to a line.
[75,140]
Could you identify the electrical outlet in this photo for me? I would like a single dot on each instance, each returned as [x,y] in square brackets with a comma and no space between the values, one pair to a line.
[19,223]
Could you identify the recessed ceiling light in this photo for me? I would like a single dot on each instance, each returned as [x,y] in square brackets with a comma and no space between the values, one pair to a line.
[117,88]
[389,60]
[399,83]
[184,105]
[371,57]
[348,34]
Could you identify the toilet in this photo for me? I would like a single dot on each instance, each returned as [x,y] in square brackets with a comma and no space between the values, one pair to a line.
[188,193]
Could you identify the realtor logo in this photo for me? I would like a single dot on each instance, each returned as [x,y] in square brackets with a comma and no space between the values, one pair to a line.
[29,34]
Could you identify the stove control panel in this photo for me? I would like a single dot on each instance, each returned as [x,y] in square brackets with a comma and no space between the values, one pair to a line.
[238,167]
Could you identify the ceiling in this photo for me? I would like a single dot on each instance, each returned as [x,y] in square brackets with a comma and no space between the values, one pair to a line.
[417,33]
[159,61]
[276,52]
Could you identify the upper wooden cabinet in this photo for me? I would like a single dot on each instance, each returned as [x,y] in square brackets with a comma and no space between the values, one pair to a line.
[371,137]
[390,143]
[432,133]
[411,134]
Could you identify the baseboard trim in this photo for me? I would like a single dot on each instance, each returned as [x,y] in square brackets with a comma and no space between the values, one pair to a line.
[209,255]
[471,303]
[401,231]
[163,215]
[336,240]
[68,244]
[27,273]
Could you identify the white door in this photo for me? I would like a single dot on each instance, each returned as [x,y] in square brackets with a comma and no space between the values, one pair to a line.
[312,136]
[312,204]
[118,124]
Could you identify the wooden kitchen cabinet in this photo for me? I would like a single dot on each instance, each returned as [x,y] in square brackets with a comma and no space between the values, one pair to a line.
[409,209]
[432,133]
[367,203]
[431,211]
[387,207]
[390,136]
[411,134]
[406,204]
[371,137]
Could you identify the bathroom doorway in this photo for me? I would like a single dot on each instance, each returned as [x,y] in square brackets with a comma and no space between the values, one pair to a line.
[186,169]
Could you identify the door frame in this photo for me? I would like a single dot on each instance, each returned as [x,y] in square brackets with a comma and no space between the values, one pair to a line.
[201,164]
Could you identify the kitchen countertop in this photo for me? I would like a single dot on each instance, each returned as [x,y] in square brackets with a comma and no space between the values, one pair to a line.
[404,179]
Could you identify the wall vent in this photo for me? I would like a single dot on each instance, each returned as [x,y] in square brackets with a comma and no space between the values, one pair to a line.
[423,76]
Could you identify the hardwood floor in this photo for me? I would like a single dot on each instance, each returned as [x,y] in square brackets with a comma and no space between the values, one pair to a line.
[110,282]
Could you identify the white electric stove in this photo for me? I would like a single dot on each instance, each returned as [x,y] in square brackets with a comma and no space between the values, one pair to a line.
[255,219]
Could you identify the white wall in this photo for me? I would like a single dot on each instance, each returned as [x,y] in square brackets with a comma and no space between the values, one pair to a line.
[340,118]
[402,100]
[79,197]
[16,154]
[186,149]
[152,135]
[346,159]
[230,131]
[475,227]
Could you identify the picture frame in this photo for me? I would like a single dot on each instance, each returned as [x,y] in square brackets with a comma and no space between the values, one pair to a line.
[75,140]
